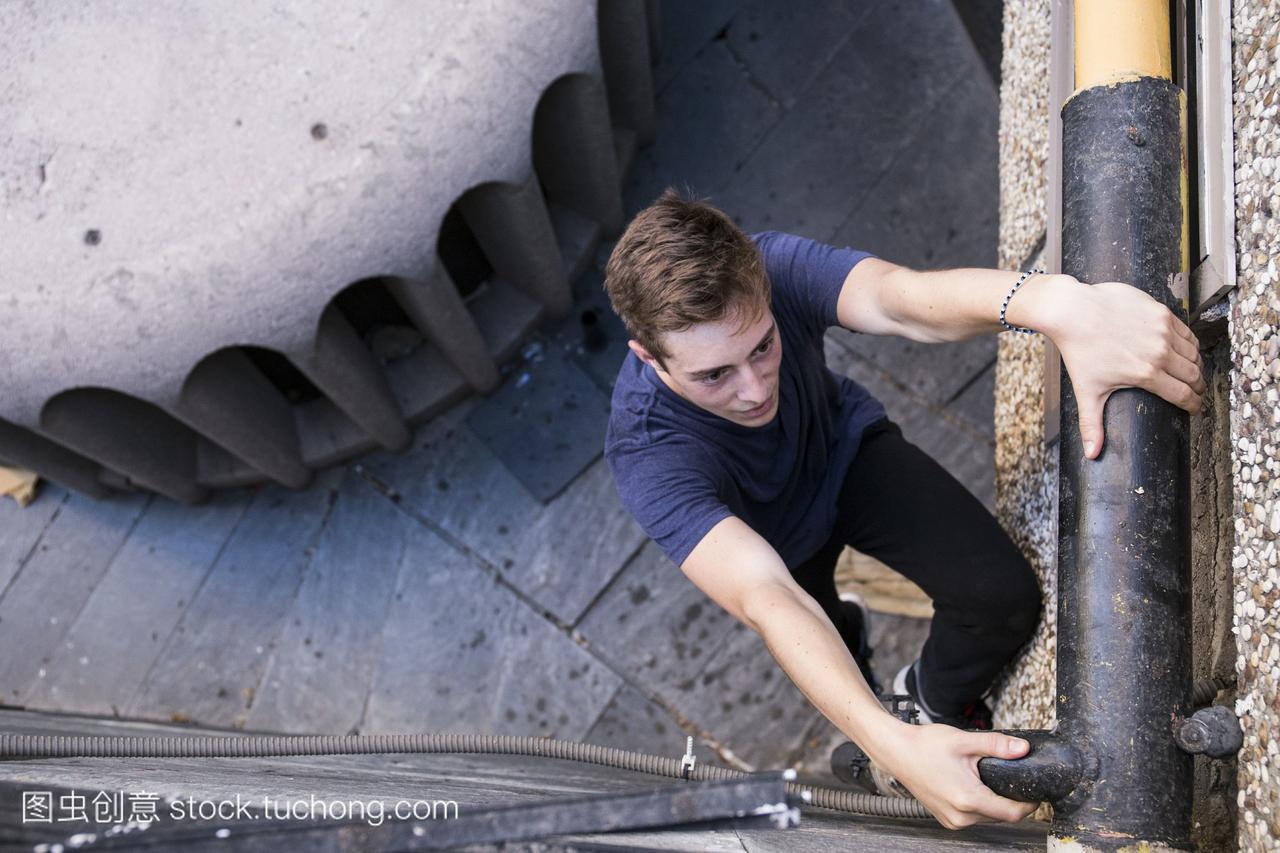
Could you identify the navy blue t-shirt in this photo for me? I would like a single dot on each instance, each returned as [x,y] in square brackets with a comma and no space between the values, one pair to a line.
[680,469]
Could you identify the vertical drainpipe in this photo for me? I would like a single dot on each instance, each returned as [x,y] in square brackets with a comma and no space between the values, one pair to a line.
[1124,616]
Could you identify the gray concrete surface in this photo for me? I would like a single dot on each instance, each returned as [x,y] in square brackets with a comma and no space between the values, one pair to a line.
[244,242]
[189,192]
[430,590]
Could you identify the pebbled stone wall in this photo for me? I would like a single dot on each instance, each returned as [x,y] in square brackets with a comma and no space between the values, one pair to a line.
[1255,414]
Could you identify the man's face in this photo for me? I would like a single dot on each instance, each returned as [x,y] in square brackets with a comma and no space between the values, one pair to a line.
[729,367]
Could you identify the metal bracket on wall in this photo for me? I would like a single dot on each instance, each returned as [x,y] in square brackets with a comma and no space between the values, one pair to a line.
[1210,306]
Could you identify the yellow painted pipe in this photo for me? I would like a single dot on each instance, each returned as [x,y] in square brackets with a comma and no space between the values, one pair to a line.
[1118,40]
[1121,40]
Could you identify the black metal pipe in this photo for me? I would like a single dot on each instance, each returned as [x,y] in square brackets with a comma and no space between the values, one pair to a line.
[1124,608]
[1124,547]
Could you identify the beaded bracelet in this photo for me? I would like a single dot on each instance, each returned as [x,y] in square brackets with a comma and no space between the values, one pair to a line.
[1005,305]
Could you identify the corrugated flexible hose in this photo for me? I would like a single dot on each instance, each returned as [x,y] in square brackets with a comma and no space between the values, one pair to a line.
[13,747]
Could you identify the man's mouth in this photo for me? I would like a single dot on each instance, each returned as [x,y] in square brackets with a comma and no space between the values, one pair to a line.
[759,410]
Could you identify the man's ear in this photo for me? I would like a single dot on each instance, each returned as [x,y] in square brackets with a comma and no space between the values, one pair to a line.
[644,355]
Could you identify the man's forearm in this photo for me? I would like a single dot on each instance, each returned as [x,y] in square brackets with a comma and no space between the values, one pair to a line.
[938,764]
[953,305]
[811,652]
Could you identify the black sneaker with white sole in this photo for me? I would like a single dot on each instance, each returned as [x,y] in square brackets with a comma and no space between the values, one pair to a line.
[976,716]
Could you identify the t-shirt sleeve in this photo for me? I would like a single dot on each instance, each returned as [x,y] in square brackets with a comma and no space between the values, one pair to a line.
[807,275]
[670,493]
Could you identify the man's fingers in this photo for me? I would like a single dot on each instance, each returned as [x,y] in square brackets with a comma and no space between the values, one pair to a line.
[1184,362]
[1181,329]
[1184,332]
[1186,371]
[987,806]
[1177,392]
[1004,809]
[1091,407]
[990,804]
[1186,350]
[998,745]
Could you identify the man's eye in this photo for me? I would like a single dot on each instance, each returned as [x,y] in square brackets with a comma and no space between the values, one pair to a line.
[712,378]
[764,347]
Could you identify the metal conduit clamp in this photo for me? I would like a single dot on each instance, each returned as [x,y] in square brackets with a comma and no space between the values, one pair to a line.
[688,760]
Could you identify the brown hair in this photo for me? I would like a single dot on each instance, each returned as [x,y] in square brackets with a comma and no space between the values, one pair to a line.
[679,263]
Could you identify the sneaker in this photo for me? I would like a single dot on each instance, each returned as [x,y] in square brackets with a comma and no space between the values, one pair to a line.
[975,716]
[857,619]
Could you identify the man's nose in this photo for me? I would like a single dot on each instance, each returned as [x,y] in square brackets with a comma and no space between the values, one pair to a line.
[753,389]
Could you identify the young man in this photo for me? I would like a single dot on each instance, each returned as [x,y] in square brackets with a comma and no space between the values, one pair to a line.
[752,465]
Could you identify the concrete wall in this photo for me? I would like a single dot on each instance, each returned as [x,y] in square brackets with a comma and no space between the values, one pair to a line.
[1026,471]
[244,245]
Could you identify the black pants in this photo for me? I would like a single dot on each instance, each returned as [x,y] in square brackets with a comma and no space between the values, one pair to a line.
[900,506]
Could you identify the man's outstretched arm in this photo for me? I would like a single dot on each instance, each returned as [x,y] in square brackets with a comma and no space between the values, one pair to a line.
[742,573]
[1111,335]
